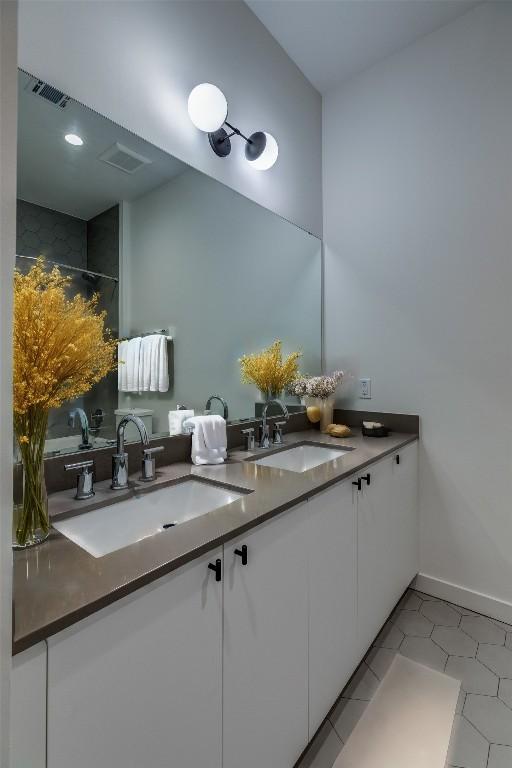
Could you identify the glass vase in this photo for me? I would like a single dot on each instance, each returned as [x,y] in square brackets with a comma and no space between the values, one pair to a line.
[31,521]
[326,406]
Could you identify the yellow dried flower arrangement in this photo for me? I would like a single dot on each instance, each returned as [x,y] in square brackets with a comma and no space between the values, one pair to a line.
[61,348]
[268,371]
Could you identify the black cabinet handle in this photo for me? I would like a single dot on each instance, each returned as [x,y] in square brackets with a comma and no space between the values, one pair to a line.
[217,568]
[242,552]
[397,458]
[367,478]
[358,483]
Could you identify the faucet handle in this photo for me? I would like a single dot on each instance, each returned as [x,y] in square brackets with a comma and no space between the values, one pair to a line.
[84,480]
[248,438]
[277,432]
[148,472]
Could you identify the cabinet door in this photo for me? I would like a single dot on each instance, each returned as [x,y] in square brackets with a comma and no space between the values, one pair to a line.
[139,684]
[376,550]
[265,645]
[405,516]
[28,709]
[332,544]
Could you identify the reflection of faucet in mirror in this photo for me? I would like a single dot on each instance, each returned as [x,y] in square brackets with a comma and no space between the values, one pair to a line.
[84,426]
[97,418]
[265,431]
[120,458]
[221,400]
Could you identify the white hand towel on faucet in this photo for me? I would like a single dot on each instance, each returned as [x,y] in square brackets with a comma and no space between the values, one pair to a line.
[122,351]
[209,439]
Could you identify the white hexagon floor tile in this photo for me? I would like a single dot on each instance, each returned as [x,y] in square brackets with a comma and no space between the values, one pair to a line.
[410,602]
[454,641]
[424,651]
[496,657]
[468,748]
[460,702]
[413,624]
[346,715]
[499,757]
[505,693]
[482,630]
[390,637]
[508,641]
[491,717]
[440,613]
[379,660]
[363,684]
[323,750]
[474,676]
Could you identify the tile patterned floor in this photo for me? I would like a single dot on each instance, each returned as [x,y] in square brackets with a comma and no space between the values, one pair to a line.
[471,648]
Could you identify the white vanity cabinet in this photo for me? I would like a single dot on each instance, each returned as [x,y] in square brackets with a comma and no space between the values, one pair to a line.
[28,709]
[266,644]
[387,538]
[332,548]
[140,682]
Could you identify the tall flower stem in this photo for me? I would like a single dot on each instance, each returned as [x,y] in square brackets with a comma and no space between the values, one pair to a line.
[32,521]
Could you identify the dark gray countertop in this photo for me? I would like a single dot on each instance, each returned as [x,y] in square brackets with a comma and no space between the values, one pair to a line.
[57,583]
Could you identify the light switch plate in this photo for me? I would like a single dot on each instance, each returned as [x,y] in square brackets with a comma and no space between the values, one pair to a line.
[365,389]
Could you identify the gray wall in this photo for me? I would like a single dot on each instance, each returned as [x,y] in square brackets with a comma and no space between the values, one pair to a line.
[418,231]
[103,256]
[136,63]
[228,277]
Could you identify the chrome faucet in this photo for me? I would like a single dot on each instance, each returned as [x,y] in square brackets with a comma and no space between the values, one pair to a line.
[221,400]
[265,430]
[120,458]
[84,426]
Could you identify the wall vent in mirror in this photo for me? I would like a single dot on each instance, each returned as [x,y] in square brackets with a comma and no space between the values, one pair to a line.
[124,159]
[47,92]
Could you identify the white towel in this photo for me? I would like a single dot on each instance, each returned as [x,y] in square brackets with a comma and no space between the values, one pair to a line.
[176,419]
[145,368]
[122,351]
[209,439]
[128,376]
[159,364]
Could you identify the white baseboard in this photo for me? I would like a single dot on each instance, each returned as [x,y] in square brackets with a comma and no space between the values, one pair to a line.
[467,598]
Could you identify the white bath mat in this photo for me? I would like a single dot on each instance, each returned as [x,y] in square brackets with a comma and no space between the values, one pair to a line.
[407,723]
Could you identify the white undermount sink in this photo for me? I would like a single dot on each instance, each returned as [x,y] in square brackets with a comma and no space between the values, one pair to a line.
[118,525]
[300,458]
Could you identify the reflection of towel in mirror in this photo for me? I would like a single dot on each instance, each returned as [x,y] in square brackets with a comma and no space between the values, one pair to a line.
[154,366]
[122,352]
[209,439]
[128,376]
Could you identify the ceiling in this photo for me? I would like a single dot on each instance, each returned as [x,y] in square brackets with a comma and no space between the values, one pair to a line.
[332,40]
[74,180]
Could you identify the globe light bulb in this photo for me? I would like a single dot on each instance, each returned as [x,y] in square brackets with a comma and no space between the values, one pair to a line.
[269,155]
[207,107]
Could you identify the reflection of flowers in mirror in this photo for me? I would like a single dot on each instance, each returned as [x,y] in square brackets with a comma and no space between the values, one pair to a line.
[316,386]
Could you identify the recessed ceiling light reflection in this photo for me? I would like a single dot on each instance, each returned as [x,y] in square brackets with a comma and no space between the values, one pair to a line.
[74,139]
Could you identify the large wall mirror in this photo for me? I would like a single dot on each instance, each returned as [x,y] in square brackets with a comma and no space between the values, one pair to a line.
[168,249]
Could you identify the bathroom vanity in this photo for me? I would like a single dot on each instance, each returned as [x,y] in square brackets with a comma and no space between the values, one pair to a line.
[226,640]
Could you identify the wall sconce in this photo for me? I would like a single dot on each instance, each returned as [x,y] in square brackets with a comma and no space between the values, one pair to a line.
[208,110]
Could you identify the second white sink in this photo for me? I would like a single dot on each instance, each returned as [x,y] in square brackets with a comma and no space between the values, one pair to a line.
[300,458]
[109,528]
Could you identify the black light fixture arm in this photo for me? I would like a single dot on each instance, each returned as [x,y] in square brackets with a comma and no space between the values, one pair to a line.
[220,141]
[236,132]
